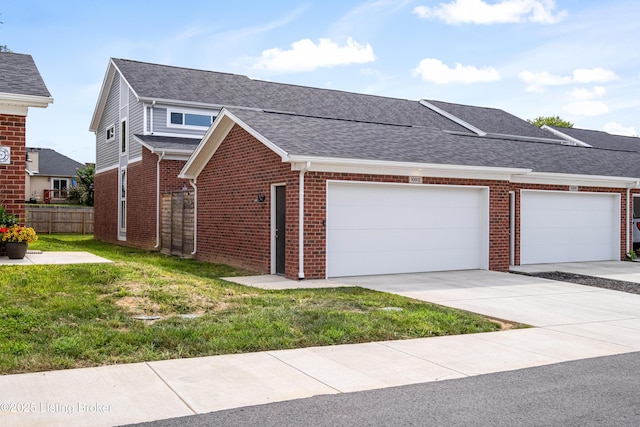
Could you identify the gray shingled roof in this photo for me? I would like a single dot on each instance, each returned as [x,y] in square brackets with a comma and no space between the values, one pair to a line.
[169,142]
[153,81]
[311,136]
[19,75]
[52,163]
[493,120]
[599,139]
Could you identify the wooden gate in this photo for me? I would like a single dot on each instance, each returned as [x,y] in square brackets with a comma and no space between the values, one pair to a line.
[177,223]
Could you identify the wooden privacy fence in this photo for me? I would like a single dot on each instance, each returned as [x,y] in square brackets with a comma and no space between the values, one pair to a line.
[60,219]
[177,223]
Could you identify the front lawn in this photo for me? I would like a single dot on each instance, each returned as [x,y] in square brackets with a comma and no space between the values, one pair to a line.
[69,316]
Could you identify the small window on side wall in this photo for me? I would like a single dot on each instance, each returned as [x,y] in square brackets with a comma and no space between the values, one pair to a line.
[111,133]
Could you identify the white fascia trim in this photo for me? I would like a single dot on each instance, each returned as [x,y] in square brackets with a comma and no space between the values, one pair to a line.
[453,118]
[102,99]
[579,180]
[381,167]
[173,135]
[566,137]
[11,103]
[106,169]
[214,137]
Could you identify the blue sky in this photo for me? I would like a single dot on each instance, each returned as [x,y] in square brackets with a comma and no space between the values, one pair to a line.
[573,58]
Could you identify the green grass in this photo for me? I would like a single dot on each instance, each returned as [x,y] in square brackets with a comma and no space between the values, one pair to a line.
[68,316]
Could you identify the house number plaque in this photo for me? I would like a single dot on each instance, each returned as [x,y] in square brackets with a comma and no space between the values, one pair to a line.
[5,155]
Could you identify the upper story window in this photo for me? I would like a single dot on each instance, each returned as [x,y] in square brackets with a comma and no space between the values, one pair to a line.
[189,119]
[111,133]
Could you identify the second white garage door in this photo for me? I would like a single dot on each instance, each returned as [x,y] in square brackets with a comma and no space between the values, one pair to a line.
[569,227]
[400,228]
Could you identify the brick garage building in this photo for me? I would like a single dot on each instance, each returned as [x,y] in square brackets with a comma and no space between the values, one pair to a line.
[21,87]
[313,197]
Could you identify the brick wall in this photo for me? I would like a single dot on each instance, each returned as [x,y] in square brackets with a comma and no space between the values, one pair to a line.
[235,230]
[232,228]
[12,176]
[141,199]
[105,207]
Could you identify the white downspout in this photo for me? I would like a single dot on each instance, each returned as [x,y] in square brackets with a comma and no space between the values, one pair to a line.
[629,219]
[158,200]
[192,182]
[301,222]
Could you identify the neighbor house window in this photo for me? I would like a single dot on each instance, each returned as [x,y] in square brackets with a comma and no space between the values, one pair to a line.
[111,133]
[189,120]
[123,136]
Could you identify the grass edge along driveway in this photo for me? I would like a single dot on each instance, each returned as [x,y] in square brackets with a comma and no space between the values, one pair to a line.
[72,316]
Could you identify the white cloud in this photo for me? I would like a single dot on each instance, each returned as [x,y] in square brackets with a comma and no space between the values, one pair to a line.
[481,12]
[586,94]
[618,129]
[587,108]
[538,82]
[593,75]
[433,70]
[305,55]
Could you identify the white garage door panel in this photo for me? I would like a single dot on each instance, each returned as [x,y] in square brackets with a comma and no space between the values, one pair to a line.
[387,229]
[569,227]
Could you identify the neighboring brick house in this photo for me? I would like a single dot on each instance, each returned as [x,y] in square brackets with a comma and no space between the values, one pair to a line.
[49,175]
[314,183]
[374,198]
[21,87]
[149,118]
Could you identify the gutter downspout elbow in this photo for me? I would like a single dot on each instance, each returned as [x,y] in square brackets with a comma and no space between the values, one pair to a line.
[301,222]
[192,182]
[158,200]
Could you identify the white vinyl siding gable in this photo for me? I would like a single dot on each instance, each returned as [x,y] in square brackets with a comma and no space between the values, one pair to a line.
[107,152]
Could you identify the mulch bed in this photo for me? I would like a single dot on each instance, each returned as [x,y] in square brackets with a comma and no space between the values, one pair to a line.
[599,282]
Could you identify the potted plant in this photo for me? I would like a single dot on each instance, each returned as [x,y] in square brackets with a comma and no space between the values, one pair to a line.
[16,240]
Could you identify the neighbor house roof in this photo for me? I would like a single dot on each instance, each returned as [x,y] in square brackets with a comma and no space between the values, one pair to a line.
[21,84]
[52,163]
[297,137]
[597,139]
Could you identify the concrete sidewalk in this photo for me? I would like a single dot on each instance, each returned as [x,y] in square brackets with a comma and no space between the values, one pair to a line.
[573,322]
[44,258]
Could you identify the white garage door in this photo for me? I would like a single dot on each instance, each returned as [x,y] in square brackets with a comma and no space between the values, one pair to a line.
[402,228]
[569,227]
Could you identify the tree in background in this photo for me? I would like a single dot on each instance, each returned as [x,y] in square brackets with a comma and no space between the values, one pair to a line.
[550,121]
[82,192]
[3,47]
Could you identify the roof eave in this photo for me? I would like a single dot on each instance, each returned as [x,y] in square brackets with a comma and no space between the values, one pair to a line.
[551,178]
[384,167]
[12,103]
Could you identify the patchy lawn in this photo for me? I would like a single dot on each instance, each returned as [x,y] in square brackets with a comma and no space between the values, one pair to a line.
[69,316]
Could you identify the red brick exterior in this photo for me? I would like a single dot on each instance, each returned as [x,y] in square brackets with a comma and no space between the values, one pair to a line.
[233,229]
[12,176]
[141,199]
[105,207]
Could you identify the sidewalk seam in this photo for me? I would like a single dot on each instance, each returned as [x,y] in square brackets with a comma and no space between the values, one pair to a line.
[171,388]
[303,372]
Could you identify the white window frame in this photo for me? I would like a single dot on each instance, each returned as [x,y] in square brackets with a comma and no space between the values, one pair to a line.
[60,180]
[111,128]
[122,199]
[187,111]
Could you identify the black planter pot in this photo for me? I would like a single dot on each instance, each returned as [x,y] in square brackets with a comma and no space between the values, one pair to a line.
[16,250]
